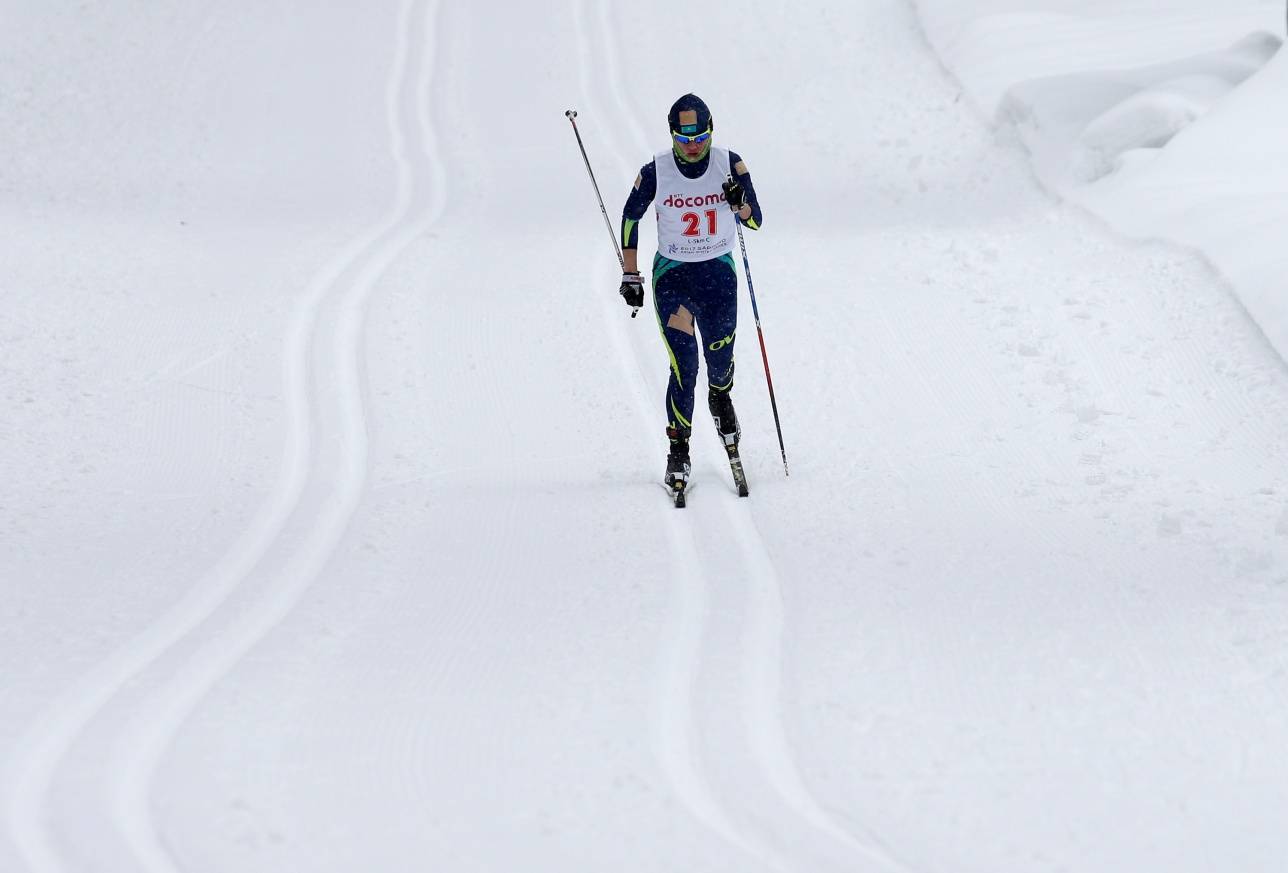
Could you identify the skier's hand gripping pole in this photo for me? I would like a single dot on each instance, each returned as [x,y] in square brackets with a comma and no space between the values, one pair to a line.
[636,298]
[734,194]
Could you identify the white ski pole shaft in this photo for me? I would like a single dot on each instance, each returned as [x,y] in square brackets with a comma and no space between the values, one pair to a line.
[571,115]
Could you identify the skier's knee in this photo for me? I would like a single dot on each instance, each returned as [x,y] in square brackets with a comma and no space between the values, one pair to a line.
[720,382]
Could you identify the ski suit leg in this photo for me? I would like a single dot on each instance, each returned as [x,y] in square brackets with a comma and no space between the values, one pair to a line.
[717,315]
[688,298]
[673,306]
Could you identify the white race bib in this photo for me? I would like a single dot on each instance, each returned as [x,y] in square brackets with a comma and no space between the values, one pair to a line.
[694,221]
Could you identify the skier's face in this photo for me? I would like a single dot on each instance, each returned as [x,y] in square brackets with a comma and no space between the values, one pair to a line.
[692,148]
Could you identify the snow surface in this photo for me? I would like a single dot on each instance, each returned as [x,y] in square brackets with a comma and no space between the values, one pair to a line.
[1158,135]
[331,537]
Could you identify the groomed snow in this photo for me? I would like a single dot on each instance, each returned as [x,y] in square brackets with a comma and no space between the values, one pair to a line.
[331,537]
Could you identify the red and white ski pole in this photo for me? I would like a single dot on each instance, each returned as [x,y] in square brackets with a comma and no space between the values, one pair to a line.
[764,356]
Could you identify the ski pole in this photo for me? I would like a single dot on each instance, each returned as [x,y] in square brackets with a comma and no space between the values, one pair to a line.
[764,356]
[571,115]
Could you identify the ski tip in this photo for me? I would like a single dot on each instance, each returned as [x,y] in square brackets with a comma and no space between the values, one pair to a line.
[679,494]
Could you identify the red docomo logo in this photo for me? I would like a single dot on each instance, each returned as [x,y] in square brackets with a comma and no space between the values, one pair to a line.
[690,202]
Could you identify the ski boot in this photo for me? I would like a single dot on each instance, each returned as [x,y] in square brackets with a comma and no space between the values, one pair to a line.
[677,465]
[721,406]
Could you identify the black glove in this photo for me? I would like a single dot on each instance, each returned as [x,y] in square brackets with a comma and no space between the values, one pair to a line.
[632,290]
[734,194]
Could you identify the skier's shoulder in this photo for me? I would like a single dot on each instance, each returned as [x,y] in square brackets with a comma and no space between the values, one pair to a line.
[737,165]
[646,178]
[649,170]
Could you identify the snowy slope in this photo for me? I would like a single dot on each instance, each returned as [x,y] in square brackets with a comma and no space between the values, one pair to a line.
[332,538]
[1170,137]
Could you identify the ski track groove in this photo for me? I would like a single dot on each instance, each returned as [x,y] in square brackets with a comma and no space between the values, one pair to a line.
[159,723]
[46,744]
[675,742]
[415,769]
[52,735]
[766,732]
[762,661]
[764,648]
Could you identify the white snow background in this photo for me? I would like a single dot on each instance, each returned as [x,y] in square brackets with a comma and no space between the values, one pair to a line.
[330,538]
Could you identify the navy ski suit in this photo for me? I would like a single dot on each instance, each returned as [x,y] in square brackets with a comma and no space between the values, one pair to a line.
[689,293]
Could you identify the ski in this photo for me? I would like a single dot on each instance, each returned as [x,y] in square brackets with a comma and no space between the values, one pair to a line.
[680,495]
[678,492]
[735,467]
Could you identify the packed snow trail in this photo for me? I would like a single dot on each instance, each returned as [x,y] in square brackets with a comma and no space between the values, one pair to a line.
[419,202]
[1020,589]
[334,308]
[753,719]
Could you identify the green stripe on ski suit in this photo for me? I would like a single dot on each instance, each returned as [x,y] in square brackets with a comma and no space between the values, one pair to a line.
[684,422]
[662,266]
[627,226]
[675,365]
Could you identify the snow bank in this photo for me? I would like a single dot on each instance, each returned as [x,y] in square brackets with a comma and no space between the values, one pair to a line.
[1162,118]
[1081,127]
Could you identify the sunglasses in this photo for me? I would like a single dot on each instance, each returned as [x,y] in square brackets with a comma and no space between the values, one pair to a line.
[683,140]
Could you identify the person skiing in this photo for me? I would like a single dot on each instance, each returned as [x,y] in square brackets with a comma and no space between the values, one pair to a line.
[701,193]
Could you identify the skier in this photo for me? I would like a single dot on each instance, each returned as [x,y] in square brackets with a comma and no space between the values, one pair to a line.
[700,192]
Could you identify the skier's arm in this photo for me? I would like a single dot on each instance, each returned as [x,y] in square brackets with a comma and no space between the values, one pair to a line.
[636,206]
[750,213]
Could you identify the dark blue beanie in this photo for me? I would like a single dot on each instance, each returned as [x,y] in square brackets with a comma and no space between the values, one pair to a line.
[689,116]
